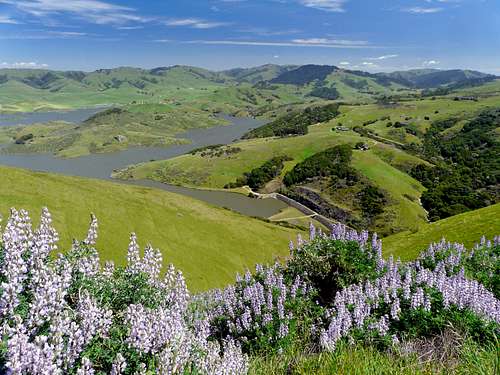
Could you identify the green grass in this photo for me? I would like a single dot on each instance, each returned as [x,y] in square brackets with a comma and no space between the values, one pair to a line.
[208,244]
[416,111]
[195,170]
[466,228]
[359,359]
[403,211]
[383,165]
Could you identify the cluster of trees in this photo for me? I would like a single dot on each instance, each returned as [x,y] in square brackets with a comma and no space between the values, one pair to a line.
[467,166]
[305,74]
[295,123]
[355,84]
[260,176]
[215,151]
[323,92]
[372,201]
[24,138]
[333,162]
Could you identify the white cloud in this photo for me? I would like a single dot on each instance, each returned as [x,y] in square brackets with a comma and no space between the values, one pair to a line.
[294,43]
[130,27]
[325,5]
[384,57]
[318,41]
[194,23]
[23,65]
[7,20]
[422,10]
[430,63]
[344,63]
[66,34]
[262,31]
[94,11]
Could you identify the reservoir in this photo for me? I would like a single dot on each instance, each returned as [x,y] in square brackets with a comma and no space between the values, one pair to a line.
[101,166]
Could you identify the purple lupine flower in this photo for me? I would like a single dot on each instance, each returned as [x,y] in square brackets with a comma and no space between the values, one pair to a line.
[119,365]
[312,231]
[91,238]
[86,368]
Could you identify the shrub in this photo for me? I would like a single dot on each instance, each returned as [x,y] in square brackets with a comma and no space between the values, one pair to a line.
[260,176]
[69,315]
[412,300]
[333,161]
[295,123]
[332,263]
[265,312]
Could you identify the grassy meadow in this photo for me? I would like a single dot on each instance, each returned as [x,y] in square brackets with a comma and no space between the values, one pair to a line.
[208,244]
[466,228]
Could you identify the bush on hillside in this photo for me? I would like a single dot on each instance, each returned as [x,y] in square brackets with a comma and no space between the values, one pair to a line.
[467,166]
[332,263]
[295,123]
[328,93]
[70,314]
[334,161]
[266,312]
[260,176]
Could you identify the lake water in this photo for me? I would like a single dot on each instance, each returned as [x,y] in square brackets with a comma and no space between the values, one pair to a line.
[73,116]
[102,165]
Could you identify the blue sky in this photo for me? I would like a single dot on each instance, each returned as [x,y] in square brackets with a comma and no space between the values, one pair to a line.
[372,35]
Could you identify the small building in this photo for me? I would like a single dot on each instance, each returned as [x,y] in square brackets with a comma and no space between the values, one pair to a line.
[463,98]
[362,146]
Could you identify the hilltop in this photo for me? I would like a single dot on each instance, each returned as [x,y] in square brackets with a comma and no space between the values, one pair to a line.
[26,90]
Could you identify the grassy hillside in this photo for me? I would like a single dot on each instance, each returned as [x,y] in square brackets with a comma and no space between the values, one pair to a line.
[403,211]
[111,130]
[465,228]
[209,244]
[260,73]
[379,165]
[28,90]
[400,122]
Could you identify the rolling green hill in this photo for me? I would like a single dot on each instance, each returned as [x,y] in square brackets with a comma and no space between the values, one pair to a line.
[428,78]
[466,228]
[382,165]
[261,73]
[28,90]
[209,244]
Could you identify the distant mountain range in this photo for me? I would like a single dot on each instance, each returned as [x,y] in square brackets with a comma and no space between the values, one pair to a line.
[275,74]
[244,85]
[415,79]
